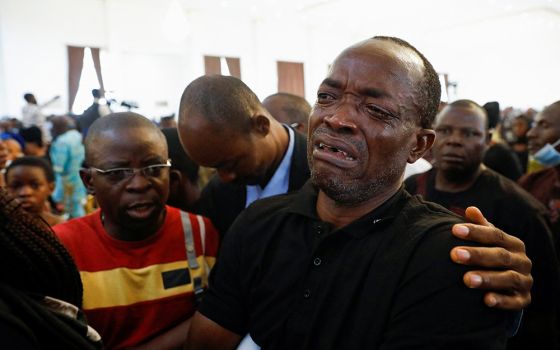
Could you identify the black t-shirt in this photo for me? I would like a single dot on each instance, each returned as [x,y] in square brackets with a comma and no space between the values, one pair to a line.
[516,212]
[385,281]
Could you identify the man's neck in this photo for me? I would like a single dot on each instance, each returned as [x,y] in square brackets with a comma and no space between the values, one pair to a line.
[340,215]
[280,142]
[447,183]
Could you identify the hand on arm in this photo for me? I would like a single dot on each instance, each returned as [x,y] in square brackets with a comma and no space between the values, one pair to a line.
[206,334]
[510,282]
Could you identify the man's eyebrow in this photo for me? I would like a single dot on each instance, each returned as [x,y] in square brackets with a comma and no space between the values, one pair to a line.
[374,92]
[370,92]
[332,83]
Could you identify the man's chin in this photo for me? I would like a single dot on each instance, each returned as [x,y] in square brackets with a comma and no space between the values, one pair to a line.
[458,174]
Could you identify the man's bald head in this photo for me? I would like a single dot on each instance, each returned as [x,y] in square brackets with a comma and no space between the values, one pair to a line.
[553,110]
[546,128]
[428,89]
[289,109]
[223,101]
[474,107]
[113,124]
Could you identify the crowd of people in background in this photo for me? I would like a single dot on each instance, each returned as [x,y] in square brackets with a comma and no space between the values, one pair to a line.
[144,209]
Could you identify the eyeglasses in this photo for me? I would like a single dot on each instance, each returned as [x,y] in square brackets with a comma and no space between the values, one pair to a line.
[120,174]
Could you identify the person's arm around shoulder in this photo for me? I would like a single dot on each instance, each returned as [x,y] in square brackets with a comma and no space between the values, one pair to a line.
[507,274]
[206,334]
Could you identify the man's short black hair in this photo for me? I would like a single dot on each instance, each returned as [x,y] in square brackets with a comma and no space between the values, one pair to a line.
[179,158]
[32,134]
[429,89]
[28,97]
[33,162]
[222,100]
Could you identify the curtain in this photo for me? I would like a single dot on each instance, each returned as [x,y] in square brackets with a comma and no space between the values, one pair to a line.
[212,65]
[75,65]
[234,66]
[290,78]
[97,65]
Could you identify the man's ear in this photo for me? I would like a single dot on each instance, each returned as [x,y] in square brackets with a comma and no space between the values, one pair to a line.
[87,180]
[300,127]
[260,124]
[424,140]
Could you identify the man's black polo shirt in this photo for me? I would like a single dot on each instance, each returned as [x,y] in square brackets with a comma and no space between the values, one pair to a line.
[384,281]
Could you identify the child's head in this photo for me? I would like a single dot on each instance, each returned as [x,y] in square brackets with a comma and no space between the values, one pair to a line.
[31,181]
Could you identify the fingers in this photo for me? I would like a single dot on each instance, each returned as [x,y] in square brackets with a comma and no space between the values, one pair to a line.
[498,280]
[517,301]
[474,215]
[518,285]
[491,257]
[488,235]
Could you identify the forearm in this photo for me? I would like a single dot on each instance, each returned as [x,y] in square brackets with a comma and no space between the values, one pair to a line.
[206,334]
[172,339]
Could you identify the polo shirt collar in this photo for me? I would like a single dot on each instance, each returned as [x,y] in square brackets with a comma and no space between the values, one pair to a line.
[305,201]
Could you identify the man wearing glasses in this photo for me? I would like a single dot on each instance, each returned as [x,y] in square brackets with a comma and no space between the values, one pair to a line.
[143,264]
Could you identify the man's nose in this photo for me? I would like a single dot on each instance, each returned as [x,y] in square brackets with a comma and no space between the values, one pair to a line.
[342,119]
[226,175]
[24,191]
[138,181]
[455,138]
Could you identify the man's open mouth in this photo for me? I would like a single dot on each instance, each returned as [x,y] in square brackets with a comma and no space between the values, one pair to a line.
[338,152]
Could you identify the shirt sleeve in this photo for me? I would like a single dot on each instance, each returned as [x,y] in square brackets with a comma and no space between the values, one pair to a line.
[224,302]
[435,310]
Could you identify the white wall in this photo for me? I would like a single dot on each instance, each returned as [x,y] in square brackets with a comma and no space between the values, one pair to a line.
[34,38]
[509,55]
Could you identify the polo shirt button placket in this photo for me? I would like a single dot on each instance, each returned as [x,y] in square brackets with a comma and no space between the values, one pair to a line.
[306,294]
[317,261]
[319,230]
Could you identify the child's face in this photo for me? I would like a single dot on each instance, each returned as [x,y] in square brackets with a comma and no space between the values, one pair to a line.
[30,186]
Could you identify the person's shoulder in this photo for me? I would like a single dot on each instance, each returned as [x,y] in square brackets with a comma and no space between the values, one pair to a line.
[511,193]
[174,217]
[423,213]
[77,228]
[528,181]
[260,219]
[278,204]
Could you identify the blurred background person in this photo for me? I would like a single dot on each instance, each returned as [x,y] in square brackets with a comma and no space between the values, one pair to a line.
[183,176]
[98,108]
[31,181]
[32,113]
[33,142]
[289,109]
[67,156]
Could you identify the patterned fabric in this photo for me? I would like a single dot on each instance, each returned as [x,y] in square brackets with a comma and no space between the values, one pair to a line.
[67,155]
